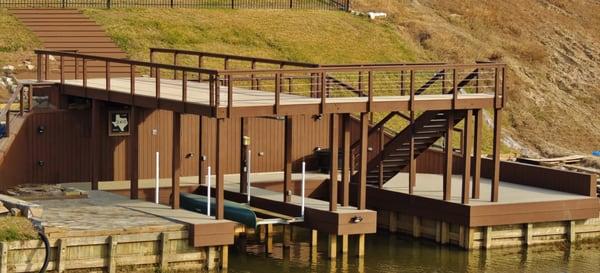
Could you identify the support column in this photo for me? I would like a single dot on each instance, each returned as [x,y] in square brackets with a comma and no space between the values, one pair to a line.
[364,142]
[201,156]
[244,156]
[496,171]
[220,164]
[468,145]
[287,168]
[477,145]
[361,245]
[345,244]
[133,154]
[94,143]
[332,246]
[346,175]
[334,139]
[449,154]
[412,163]
[176,159]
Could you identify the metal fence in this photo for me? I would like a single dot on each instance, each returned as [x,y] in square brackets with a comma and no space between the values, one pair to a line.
[229,4]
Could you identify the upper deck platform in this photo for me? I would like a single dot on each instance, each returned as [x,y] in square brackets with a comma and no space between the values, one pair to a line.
[287,88]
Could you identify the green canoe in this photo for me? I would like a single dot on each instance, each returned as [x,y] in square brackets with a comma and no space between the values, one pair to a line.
[233,211]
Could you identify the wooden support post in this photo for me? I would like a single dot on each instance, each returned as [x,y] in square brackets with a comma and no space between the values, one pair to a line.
[176,159]
[95,133]
[244,156]
[220,168]
[133,154]
[62,255]
[211,258]
[314,237]
[497,146]
[345,244]
[445,233]
[412,163]
[461,236]
[334,139]
[201,156]
[528,234]
[416,227]
[468,141]
[364,142]
[393,225]
[477,156]
[487,240]
[112,254]
[332,246]
[346,175]
[287,168]
[164,251]
[224,257]
[4,256]
[269,242]
[438,231]
[361,245]
[449,155]
[572,235]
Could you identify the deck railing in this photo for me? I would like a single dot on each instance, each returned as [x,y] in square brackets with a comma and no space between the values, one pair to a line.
[224,4]
[7,111]
[296,82]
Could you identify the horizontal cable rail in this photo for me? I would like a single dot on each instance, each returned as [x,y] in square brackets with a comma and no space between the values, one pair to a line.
[238,81]
[226,4]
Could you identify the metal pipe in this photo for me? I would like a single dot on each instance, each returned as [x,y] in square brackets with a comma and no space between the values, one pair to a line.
[248,159]
[303,179]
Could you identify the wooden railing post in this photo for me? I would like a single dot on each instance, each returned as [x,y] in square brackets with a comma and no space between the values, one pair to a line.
[370,92]
[39,67]
[175,64]
[152,72]
[157,87]
[411,86]
[200,65]
[230,96]
[21,98]
[7,125]
[323,87]
[455,88]
[46,66]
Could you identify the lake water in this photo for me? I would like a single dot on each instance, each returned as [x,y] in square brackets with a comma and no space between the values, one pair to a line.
[396,253]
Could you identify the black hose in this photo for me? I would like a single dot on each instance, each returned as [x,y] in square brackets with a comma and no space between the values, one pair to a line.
[47,246]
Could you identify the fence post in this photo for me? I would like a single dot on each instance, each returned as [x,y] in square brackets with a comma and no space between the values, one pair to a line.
[172,4]
[291,4]
[62,3]
[232,4]
[108,4]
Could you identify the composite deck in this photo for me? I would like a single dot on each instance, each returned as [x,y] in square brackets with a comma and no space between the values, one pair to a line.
[248,102]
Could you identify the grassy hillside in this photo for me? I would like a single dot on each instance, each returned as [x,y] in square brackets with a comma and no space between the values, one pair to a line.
[551,46]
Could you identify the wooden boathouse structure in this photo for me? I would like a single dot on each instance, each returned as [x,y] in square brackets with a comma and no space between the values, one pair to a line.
[395,146]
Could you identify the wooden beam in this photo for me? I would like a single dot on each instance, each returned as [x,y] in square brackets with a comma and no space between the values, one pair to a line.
[334,139]
[133,154]
[220,168]
[497,144]
[346,175]
[364,142]
[449,154]
[477,156]
[176,159]
[95,134]
[287,167]
[244,156]
[468,146]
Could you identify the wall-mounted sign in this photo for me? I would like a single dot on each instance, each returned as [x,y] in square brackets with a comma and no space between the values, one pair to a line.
[118,123]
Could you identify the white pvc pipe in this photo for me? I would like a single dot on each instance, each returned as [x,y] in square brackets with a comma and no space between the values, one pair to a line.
[157,179]
[208,192]
[248,175]
[303,186]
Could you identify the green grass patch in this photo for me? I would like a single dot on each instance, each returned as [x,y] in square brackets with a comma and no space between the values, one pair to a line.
[15,229]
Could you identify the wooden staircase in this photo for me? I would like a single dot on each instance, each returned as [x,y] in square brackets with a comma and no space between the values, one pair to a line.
[428,129]
[71,30]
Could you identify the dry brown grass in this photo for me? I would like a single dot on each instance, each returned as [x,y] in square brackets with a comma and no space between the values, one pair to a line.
[16,228]
[551,46]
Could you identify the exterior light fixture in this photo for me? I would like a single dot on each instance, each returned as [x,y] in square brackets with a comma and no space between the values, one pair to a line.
[41,129]
[356,219]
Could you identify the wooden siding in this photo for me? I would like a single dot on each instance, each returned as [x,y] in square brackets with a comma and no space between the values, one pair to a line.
[64,147]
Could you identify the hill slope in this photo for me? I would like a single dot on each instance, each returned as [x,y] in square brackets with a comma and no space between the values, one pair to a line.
[551,46]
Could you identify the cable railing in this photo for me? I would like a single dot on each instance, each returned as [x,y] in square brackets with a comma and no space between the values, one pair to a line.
[232,81]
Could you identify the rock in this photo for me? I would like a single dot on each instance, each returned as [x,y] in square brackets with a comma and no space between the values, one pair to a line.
[51,58]
[3,210]
[29,67]
[15,212]
[8,68]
